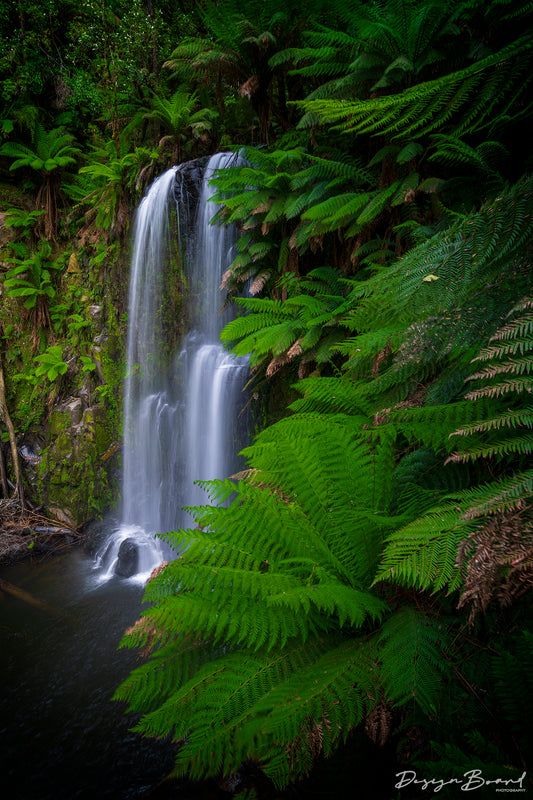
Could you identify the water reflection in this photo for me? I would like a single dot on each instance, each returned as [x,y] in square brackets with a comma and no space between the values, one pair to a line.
[60,736]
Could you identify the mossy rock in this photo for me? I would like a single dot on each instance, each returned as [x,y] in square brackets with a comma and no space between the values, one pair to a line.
[76,474]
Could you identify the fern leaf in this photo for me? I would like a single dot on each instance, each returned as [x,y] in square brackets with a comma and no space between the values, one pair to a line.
[413,648]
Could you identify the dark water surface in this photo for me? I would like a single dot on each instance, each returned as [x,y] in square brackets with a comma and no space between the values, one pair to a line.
[61,738]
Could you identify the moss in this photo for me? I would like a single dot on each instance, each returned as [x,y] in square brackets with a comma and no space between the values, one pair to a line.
[76,473]
[59,420]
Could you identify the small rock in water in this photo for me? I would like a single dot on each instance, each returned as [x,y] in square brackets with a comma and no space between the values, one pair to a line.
[128,559]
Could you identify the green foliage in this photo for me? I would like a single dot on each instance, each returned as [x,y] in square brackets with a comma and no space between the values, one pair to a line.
[31,278]
[109,193]
[414,639]
[51,363]
[358,566]
[266,614]
[27,221]
[183,123]
[247,48]
[52,153]
[355,574]
[476,95]
[304,328]
[53,150]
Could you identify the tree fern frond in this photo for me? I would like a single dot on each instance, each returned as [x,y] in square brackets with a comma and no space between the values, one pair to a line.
[412,648]
[427,107]
[423,553]
[509,419]
[325,700]
[497,497]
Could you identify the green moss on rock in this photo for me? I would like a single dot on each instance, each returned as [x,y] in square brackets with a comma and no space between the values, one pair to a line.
[76,475]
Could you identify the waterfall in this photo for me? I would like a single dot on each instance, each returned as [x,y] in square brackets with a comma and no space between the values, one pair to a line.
[181,406]
[215,378]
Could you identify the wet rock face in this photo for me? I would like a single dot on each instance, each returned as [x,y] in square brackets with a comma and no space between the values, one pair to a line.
[75,473]
[187,186]
[97,533]
[128,559]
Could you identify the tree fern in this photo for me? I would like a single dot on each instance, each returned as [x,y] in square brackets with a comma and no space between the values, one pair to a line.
[286,332]
[278,674]
[305,584]
[474,95]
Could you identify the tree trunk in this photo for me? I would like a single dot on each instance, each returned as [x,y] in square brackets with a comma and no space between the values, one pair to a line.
[4,413]
[3,473]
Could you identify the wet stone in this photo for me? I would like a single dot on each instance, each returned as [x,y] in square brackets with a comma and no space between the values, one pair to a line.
[128,558]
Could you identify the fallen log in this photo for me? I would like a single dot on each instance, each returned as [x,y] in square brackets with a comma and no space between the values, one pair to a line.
[26,597]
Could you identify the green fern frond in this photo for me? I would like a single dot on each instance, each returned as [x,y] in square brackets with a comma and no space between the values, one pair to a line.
[413,647]
[473,91]
[423,553]
[498,497]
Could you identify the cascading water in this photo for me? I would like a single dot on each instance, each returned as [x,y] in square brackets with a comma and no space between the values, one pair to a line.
[215,378]
[180,412]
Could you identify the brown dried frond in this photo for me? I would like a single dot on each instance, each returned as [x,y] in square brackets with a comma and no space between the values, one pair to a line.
[498,561]
[89,235]
[122,218]
[293,243]
[225,279]
[305,368]
[157,571]
[245,474]
[310,739]
[316,243]
[249,87]
[254,477]
[277,363]
[259,282]
[414,400]
[499,389]
[378,723]
[381,357]
[144,628]
[166,140]
[263,207]
[295,350]
[488,373]
[511,330]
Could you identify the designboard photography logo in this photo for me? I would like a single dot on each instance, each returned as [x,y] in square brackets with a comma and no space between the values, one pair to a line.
[468,782]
